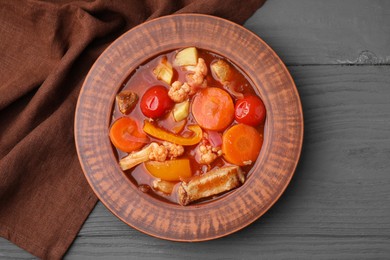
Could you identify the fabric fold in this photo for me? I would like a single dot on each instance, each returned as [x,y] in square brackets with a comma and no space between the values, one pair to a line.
[46,50]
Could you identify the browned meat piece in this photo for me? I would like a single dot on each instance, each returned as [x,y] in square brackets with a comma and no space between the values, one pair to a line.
[126,101]
[211,183]
[163,186]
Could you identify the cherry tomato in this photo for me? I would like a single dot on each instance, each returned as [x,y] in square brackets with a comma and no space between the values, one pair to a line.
[155,102]
[250,111]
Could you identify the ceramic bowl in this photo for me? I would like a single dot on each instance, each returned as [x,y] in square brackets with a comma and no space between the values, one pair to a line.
[269,177]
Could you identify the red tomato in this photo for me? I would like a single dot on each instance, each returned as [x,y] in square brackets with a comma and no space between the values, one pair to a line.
[250,111]
[155,102]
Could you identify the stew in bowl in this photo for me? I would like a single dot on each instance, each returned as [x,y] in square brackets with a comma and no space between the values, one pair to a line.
[188,127]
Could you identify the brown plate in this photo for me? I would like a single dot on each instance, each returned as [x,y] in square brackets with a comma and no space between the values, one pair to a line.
[272,171]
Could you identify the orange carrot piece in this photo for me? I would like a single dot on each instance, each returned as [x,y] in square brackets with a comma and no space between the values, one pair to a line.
[126,135]
[213,109]
[241,144]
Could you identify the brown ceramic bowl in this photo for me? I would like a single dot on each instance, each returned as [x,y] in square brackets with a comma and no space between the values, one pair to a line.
[269,177]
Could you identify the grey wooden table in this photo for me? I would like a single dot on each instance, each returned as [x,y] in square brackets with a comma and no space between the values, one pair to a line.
[338,203]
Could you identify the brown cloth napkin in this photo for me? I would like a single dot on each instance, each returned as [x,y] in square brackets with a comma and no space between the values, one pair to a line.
[46,50]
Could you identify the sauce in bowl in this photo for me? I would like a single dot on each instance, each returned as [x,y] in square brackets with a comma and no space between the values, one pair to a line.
[187,126]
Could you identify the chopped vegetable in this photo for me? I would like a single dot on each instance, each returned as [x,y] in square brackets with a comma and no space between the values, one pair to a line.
[172,170]
[221,71]
[164,71]
[250,110]
[230,87]
[179,91]
[214,138]
[155,102]
[179,126]
[187,56]
[211,183]
[202,122]
[152,152]
[169,122]
[126,101]
[206,154]
[126,135]
[174,150]
[163,186]
[162,134]
[181,110]
[241,144]
[213,109]
[199,72]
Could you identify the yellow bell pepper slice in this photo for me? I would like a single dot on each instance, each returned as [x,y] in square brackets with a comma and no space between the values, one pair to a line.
[172,170]
[162,134]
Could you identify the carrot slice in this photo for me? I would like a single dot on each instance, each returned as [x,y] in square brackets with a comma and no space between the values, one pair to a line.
[213,109]
[241,144]
[126,135]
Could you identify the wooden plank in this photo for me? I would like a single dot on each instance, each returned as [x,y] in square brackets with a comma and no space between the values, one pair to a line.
[337,204]
[325,32]
[9,251]
[233,247]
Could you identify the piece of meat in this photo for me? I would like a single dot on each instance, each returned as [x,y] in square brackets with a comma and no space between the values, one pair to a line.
[211,183]
[126,101]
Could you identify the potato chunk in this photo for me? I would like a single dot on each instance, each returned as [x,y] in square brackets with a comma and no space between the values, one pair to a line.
[181,110]
[187,57]
[164,71]
[221,70]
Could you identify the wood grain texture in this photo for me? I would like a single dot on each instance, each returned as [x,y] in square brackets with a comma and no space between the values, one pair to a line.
[325,32]
[337,205]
